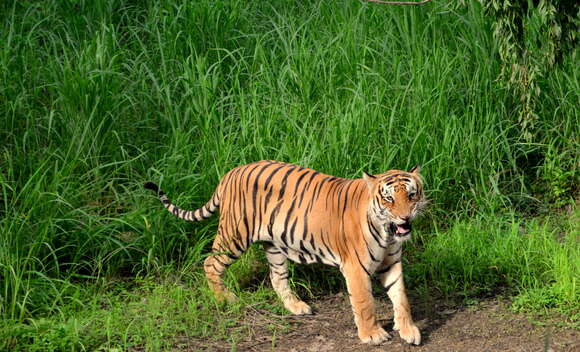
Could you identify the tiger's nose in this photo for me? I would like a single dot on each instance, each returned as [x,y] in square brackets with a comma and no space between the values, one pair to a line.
[405,222]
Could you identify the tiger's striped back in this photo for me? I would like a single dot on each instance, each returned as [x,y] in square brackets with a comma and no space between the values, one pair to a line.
[292,206]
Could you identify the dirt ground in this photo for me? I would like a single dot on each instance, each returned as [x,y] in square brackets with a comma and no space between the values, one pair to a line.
[488,326]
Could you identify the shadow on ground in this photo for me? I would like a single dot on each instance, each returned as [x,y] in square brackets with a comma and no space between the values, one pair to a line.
[489,326]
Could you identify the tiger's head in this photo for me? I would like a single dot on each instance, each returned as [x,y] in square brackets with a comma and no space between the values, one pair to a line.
[396,198]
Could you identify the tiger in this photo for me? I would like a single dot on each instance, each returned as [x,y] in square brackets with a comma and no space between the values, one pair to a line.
[299,214]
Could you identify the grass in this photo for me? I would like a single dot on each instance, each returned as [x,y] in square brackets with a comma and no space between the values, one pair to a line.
[153,316]
[476,257]
[92,105]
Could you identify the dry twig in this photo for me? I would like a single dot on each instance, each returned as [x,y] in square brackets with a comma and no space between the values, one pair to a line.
[399,2]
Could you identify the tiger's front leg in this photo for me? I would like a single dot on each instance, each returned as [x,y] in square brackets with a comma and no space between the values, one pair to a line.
[392,280]
[363,306]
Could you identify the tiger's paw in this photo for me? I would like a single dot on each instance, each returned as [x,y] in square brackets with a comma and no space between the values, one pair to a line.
[226,297]
[410,334]
[298,308]
[375,336]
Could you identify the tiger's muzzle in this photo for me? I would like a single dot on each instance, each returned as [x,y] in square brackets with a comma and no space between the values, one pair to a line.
[401,231]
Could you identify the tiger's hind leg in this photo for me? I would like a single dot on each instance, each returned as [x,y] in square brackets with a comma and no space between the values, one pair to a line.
[277,261]
[216,264]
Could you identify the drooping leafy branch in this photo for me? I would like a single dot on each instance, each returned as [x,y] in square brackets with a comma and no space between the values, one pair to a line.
[533,36]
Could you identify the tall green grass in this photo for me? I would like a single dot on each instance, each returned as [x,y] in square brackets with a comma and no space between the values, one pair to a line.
[539,258]
[98,96]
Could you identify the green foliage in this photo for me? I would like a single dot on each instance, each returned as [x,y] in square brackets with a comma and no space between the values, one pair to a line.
[559,179]
[532,37]
[150,316]
[476,257]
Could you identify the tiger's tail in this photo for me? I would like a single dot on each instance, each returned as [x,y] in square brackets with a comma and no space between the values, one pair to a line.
[190,215]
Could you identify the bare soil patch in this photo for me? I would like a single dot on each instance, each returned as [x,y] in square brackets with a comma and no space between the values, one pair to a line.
[488,326]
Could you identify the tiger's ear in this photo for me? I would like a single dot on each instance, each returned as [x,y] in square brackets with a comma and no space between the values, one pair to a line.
[369,179]
[415,169]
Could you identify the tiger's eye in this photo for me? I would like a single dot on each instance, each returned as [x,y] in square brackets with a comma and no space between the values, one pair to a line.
[389,199]
[412,195]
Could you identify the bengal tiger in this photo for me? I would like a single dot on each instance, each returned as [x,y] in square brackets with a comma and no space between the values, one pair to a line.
[356,225]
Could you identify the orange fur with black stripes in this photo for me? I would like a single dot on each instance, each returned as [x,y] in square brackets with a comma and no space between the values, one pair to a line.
[357,225]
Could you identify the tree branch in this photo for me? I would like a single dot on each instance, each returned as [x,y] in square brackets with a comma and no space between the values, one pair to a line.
[399,2]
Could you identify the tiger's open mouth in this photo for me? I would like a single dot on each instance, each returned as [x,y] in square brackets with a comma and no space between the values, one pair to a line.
[401,231]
